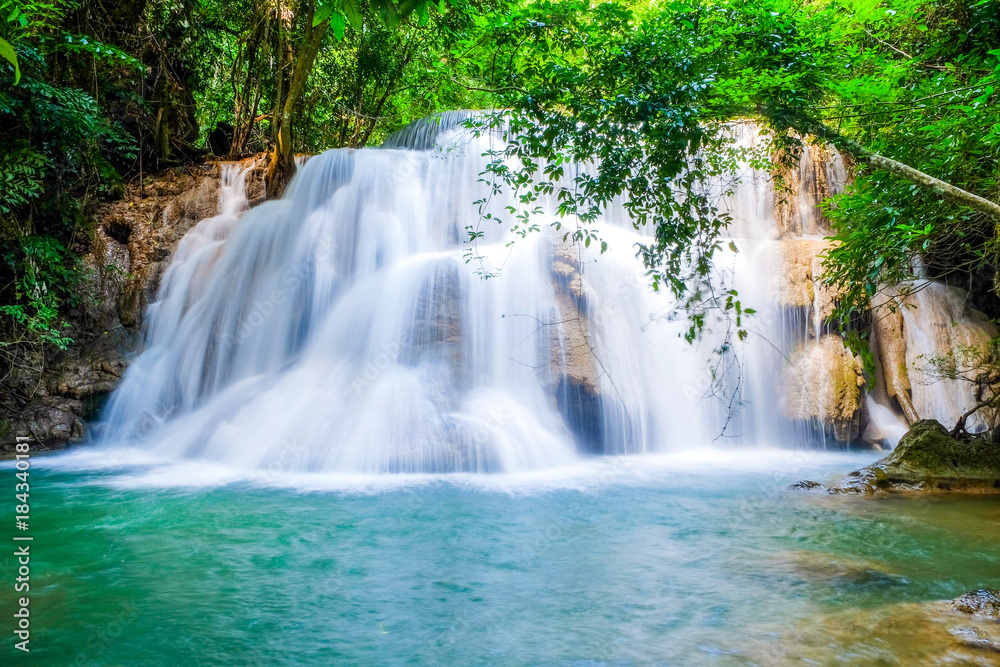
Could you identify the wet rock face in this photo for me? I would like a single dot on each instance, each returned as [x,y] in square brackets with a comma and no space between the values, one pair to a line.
[820,173]
[928,459]
[887,326]
[574,366]
[435,339]
[132,242]
[984,602]
[823,383]
[798,282]
[581,408]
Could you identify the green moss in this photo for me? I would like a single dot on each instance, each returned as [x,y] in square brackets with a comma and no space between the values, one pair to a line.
[928,458]
[927,455]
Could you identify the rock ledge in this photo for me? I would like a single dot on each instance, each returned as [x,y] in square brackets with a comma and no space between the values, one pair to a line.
[926,459]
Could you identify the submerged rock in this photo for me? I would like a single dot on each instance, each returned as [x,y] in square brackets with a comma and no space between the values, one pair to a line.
[983,602]
[845,574]
[928,459]
[921,633]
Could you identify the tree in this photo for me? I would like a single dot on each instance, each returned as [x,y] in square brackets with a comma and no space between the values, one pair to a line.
[59,151]
[319,17]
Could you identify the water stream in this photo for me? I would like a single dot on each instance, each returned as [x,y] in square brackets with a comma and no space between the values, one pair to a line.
[685,559]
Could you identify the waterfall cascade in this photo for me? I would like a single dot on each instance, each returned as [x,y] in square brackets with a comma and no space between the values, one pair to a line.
[341,329]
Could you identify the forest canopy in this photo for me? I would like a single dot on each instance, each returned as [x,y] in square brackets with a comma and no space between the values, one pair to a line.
[94,94]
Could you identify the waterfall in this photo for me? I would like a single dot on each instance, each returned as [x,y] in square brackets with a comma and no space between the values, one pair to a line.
[936,322]
[343,328]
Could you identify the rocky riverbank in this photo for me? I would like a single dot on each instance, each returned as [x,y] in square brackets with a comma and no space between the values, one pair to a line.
[963,631]
[51,398]
[926,459]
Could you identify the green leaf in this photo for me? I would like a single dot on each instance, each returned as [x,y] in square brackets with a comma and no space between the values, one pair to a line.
[387,12]
[338,24]
[407,7]
[7,51]
[352,12]
[322,13]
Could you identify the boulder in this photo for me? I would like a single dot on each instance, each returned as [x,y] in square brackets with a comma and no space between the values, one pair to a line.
[929,459]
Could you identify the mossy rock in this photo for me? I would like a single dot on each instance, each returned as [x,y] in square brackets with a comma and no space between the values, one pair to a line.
[929,459]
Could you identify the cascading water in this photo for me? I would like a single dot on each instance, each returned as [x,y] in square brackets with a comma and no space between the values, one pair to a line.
[342,329]
[345,317]
[936,322]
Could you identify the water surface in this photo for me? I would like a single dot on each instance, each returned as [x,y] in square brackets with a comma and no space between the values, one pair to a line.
[700,559]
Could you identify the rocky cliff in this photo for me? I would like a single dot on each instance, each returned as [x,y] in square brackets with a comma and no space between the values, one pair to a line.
[130,244]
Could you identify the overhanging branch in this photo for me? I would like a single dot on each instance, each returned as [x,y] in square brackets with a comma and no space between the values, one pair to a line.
[805,125]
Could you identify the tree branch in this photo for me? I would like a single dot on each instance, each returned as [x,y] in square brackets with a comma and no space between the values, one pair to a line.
[805,125]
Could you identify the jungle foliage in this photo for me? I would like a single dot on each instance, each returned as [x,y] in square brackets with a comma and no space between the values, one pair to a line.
[652,96]
[94,93]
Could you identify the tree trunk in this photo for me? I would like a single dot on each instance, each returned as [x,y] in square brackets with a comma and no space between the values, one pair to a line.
[807,125]
[282,165]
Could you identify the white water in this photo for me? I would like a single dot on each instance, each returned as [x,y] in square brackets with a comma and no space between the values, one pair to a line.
[936,322]
[341,330]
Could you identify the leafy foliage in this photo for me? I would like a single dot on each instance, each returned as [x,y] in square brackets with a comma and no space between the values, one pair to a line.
[58,146]
[924,92]
[644,98]
[651,103]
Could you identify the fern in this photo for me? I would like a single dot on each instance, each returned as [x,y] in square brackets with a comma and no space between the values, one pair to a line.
[22,178]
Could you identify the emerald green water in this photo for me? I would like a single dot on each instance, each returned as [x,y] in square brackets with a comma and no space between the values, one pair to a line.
[690,560]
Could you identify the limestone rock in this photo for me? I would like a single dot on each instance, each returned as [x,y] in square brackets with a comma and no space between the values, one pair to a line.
[49,423]
[798,269]
[983,602]
[574,367]
[571,348]
[818,176]
[823,382]
[132,241]
[887,324]
[436,333]
[937,323]
[928,459]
